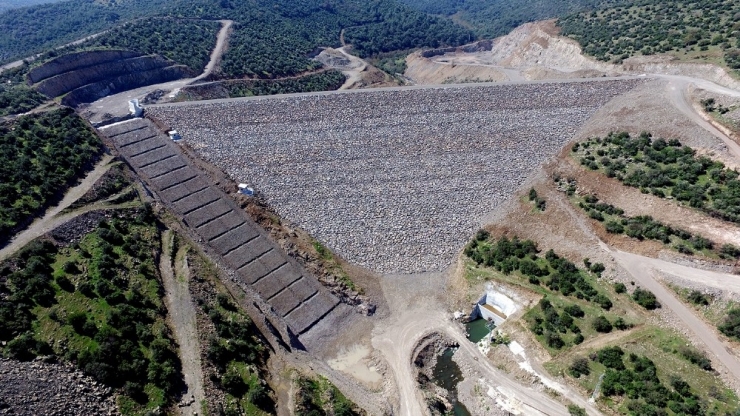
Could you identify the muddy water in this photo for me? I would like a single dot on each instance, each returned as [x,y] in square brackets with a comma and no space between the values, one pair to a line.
[355,363]
[447,374]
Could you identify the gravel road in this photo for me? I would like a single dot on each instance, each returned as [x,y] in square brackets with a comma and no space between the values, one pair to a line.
[117,104]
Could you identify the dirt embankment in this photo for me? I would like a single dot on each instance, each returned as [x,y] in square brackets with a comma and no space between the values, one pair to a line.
[536,51]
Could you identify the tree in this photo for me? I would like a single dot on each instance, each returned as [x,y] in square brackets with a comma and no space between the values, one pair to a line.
[601,324]
[645,298]
[731,325]
[611,357]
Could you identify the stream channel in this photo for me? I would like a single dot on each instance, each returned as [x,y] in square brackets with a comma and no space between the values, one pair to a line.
[447,374]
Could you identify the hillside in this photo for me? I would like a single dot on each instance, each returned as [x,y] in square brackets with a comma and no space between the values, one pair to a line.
[269,39]
[704,30]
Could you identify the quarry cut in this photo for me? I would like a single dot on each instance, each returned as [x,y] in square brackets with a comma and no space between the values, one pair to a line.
[393,180]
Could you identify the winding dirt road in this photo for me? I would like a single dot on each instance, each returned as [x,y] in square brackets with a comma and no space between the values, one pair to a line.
[117,104]
[678,88]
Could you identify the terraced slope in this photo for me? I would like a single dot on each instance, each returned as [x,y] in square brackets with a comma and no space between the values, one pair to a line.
[295,296]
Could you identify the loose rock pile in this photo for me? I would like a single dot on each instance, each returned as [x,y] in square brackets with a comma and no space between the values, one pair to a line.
[38,388]
[395,181]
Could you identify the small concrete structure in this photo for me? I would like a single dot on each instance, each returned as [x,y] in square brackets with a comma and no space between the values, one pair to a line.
[244,189]
[134,108]
[493,306]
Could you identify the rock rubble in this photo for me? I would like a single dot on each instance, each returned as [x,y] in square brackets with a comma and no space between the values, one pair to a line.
[39,388]
[393,180]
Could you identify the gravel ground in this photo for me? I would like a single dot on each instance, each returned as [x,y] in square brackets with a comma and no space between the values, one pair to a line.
[37,388]
[395,181]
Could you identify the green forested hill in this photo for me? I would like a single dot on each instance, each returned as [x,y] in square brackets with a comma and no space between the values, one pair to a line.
[14,4]
[491,18]
[270,38]
[34,29]
[704,29]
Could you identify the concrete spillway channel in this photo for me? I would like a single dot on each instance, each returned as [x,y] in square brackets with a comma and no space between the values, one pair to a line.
[294,296]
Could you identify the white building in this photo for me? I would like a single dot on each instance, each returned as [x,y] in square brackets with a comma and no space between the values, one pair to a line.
[134,108]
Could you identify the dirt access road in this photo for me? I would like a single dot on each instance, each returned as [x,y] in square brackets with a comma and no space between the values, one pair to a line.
[643,269]
[181,313]
[51,218]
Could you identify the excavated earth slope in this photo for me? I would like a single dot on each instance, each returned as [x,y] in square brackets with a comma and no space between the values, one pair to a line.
[86,76]
[394,180]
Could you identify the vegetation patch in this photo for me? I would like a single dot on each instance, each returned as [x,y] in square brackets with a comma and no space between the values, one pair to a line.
[666,169]
[558,274]
[322,81]
[645,227]
[318,397]
[539,203]
[40,156]
[650,371]
[97,304]
[234,350]
[16,99]
[493,18]
[702,29]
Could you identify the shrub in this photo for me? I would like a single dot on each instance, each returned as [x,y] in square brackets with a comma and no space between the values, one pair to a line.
[597,268]
[698,298]
[603,301]
[645,298]
[553,340]
[611,357]
[697,357]
[601,324]
[77,321]
[576,410]
[574,311]
[731,325]
[621,325]
[579,367]
[620,287]
[614,227]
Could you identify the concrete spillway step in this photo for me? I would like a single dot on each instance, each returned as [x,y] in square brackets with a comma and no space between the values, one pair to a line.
[234,239]
[244,258]
[295,296]
[303,317]
[202,215]
[122,128]
[216,226]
